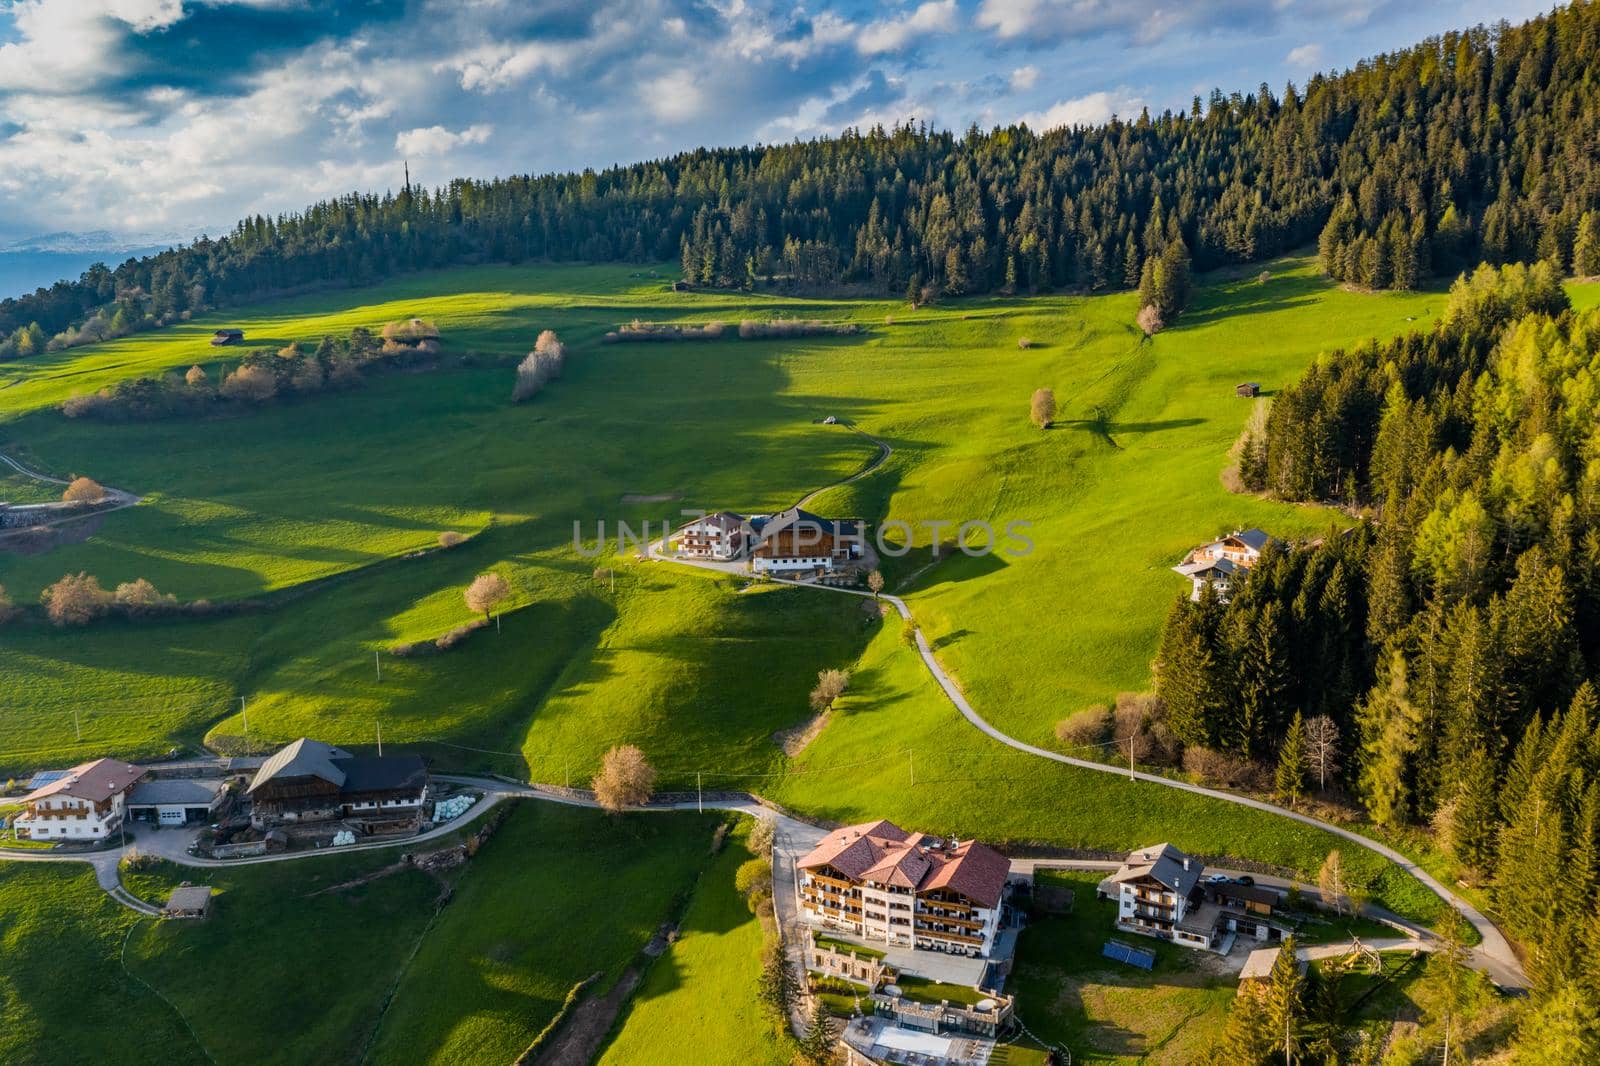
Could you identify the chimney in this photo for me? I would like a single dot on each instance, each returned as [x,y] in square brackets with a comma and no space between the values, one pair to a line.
[1186,864]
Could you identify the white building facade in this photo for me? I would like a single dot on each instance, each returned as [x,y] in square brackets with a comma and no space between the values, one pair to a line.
[87,803]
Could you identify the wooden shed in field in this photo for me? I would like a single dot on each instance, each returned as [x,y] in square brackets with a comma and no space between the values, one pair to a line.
[190,901]
[1247,389]
[226,336]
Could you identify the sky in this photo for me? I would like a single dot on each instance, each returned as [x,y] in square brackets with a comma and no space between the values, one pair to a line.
[180,116]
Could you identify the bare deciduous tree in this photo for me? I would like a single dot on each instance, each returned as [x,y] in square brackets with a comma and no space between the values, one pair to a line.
[1330,880]
[75,600]
[1042,411]
[486,592]
[84,490]
[1322,749]
[541,365]
[196,377]
[830,686]
[140,596]
[875,583]
[625,779]
[450,538]
[1150,320]
[250,384]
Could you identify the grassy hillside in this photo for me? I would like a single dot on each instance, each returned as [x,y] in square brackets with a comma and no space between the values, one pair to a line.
[701,994]
[64,995]
[293,968]
[309,504]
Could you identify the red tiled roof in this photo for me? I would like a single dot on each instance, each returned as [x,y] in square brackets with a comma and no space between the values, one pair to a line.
[94,781]
[884,853]
[975,870]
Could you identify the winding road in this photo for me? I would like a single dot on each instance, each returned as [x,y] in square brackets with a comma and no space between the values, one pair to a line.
[1494,955]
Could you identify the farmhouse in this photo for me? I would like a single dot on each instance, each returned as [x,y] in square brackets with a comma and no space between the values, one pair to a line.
[797,540]
[226,336]
[87,802]
[310,781]
[719,536]
[1162,892]
[1159,893]
[879,882]
[176,801]
[1223,561]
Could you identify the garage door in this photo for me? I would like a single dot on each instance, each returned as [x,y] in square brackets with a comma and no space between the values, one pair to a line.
[171,816]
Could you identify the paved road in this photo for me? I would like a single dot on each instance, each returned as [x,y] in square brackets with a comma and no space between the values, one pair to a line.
[1494,955]
[116,499]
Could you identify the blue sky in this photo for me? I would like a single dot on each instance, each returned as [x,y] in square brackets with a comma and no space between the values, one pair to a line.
[178,116]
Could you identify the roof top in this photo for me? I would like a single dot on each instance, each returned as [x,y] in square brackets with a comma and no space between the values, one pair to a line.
[189,898]
[94,781]
[193,791]
[1204,566]
[1163,864]
[1250,893]
[382,773]
[303,758]
[723,520]
[44,777]
[772,524]
[884,853]
[1255,538]
[1258,964]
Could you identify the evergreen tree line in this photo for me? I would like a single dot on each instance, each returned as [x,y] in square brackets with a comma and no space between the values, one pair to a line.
[1455,638]
[1472,146]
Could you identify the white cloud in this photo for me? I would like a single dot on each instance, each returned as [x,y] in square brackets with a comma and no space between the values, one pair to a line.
[436,140]
[489,67]
[1086,110]
[1306,57]
[673,97]
[891,35]
[1024,78]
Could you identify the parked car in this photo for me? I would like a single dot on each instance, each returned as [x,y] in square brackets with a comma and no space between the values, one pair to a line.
[1218,879]
[1246,880]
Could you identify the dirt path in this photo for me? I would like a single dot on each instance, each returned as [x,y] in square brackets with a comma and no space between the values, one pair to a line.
[585,1029]
[884,451]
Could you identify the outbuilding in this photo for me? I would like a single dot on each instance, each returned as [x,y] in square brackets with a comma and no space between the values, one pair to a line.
[1247,389]
[176,801]
[190,901]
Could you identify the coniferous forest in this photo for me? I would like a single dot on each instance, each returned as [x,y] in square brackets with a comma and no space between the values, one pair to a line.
[1474,146]
[1452,634]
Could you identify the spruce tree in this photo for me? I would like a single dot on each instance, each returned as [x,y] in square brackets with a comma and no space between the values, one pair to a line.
[1290,778]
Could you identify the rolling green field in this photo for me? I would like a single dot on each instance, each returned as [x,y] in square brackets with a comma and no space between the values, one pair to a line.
[1108,1012]
[306,509]
[293,968]
[701,994]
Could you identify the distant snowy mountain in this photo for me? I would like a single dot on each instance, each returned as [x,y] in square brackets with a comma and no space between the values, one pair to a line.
[91,242]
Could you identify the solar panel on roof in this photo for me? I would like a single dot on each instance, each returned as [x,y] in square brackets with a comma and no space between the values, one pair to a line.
[44,777]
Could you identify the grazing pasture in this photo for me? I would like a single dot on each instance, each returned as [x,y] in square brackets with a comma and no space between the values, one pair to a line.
[306,525]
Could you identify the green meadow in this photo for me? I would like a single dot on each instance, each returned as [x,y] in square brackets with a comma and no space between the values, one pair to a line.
[347,958]
[299,519]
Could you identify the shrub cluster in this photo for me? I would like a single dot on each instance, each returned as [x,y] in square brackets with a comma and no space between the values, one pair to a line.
[78,599]
[440,643]
[262,376]
[540,367]
[750,329]
[664,331]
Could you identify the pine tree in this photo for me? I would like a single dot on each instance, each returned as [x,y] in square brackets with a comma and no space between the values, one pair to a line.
[817,1046]
[1282,1001]
[1290,778]
[1449,992]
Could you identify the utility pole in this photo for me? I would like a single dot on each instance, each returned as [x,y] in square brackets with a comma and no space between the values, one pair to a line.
[699,796]
[911,764]
[245,711]
[497,621]
[1131,775]
[380,737]
[377,664]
